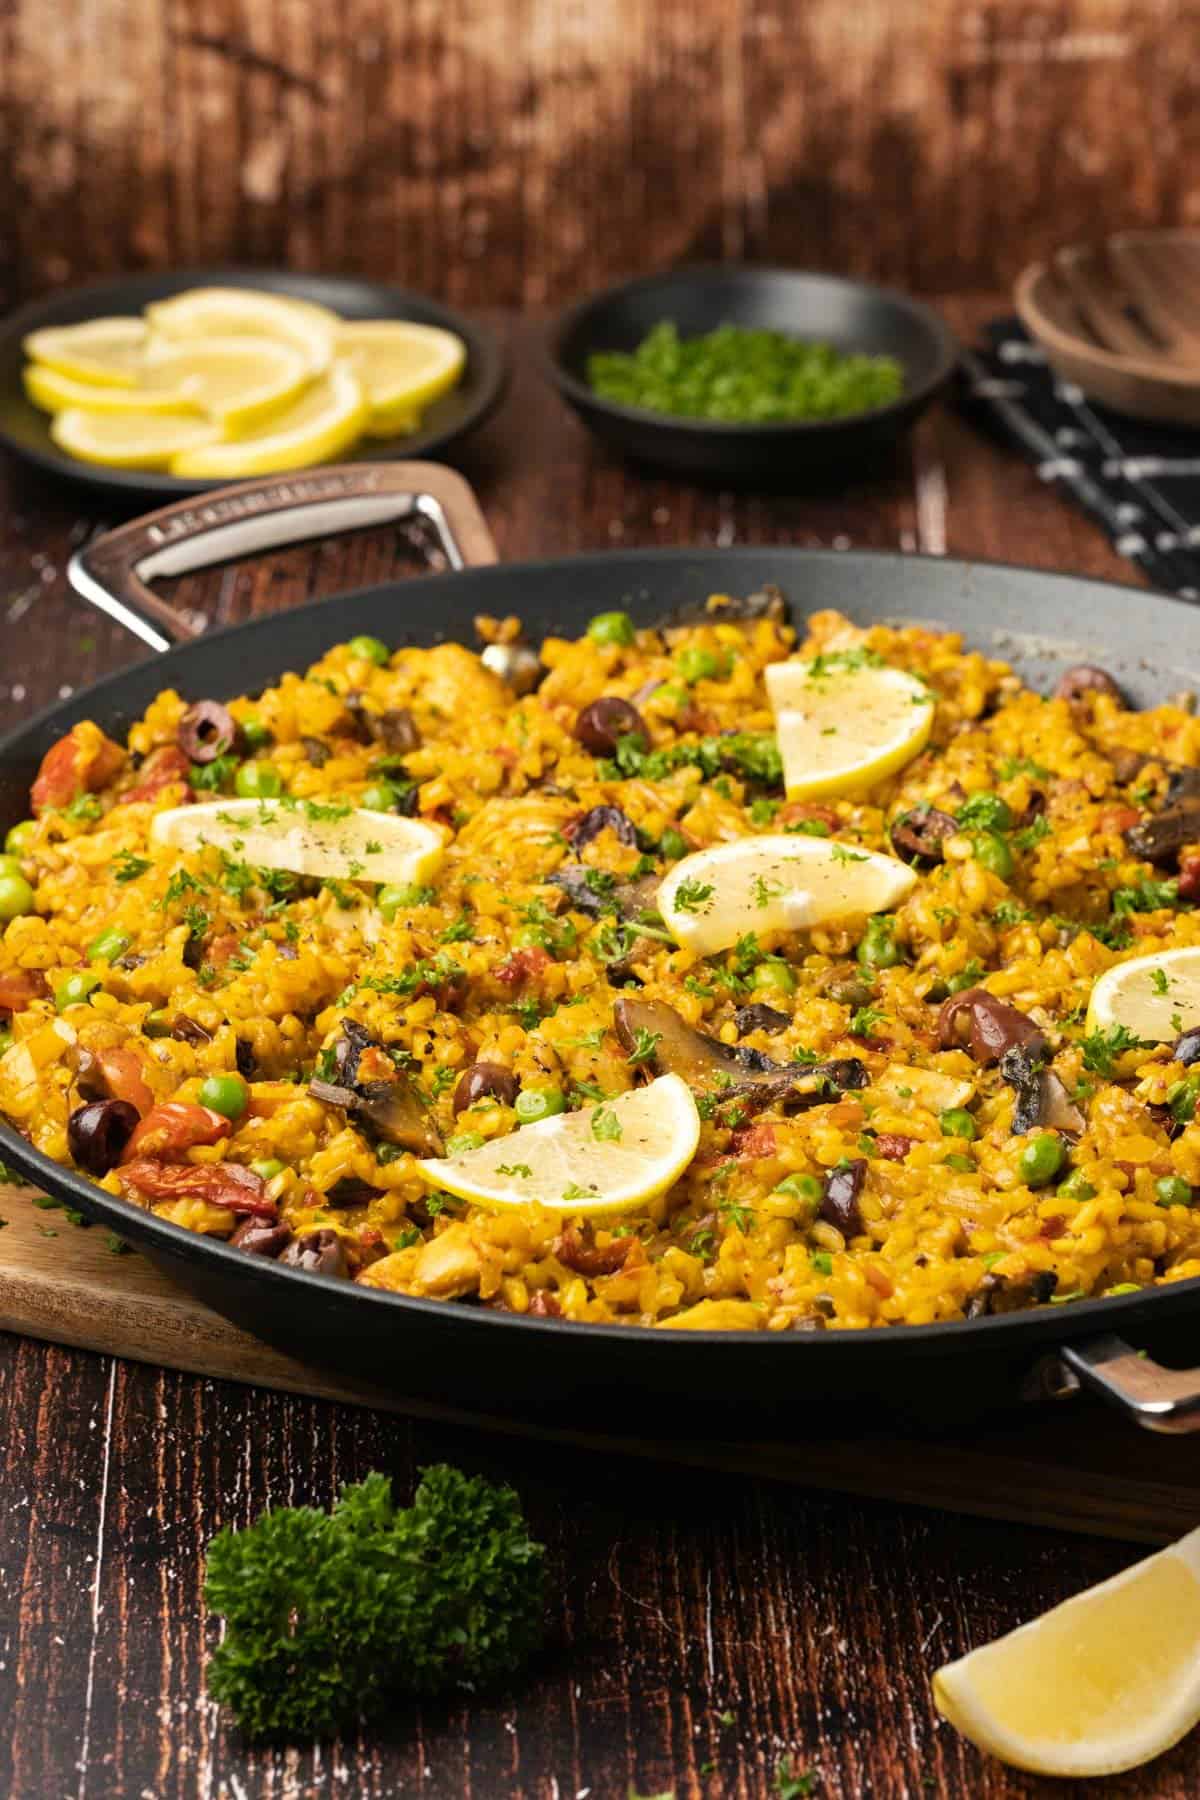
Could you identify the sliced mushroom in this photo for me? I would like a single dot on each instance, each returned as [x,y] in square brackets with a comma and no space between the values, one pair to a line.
[597,819]
[392,1109]
[919,834]
[760,1018]
[994,1026]
[1160,838]
[740,1072]
[632,901]
[351,1190]
[1085,678]
[1042,1099]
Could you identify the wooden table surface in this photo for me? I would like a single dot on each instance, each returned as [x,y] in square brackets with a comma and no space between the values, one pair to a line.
[705,1633]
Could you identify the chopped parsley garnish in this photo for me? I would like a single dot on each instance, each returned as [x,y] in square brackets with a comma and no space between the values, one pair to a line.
[606,1127]
[693,896]
[521,1170]
[1029,835]
[1146,895]
[645,1044]
[840,854]
[1102,1048]
[127,867]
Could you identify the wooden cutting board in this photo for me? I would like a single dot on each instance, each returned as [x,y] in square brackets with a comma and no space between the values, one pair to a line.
[1070,1464]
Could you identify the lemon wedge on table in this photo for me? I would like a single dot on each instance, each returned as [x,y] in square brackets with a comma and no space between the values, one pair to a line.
[610,1158]
[326,420]
[307,838]
[1154,997]
[1101,1683]
[238,382]
[105,351]
[844,722]
[249,312]
[775,883]
[130,440]
[403,366]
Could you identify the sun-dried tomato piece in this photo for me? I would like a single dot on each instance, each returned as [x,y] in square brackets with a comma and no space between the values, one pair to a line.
[175,1126]
[221,1184]
[19,989]
[523,966]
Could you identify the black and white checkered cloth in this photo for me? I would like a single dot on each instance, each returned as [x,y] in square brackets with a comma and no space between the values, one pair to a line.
[1140,482]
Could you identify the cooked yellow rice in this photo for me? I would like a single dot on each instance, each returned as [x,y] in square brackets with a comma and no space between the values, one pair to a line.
[949,1226]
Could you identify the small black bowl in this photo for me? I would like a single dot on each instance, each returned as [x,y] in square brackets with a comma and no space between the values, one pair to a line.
[850,315]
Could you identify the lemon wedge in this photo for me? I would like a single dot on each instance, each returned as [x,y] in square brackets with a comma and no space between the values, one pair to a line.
[106,351]
[130,440]
[54,392]
[327,419]
[1099,1684]
[713,898]
[306,838]
[249,312]
[239,382]
[609,1158]
[403,367]
[1155,997]
[843,723]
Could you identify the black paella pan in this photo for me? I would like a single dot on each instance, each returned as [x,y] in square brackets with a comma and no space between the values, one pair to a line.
[592,1377]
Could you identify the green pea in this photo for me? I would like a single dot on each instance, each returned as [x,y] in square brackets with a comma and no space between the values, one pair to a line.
[75,989]
[391,899]
[108,946]
[539,1103]
[611,628]
[380,796]
[532,937]
[957,1122]
[463,1140]
[878,948]
[19,841]
[6,1041]
[993,853]
[16,897]
[672,844]
[801,1187]
[963,1164]
[1041,1159]
[157,1024]
[258,781]
[255,734]
[774,975]
[224,1094]
[10,865]
[696,664]
[268,1169]
[1173,1190]
[369,649]
[1076,1187]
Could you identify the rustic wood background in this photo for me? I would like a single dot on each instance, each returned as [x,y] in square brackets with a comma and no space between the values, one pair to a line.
[517,152]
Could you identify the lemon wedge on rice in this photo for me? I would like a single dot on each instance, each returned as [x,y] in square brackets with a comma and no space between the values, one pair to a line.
[844,722]
[1099,1684]
[711,899]
[238,382]
[403,366]
[54,392]
[249,312]
[610,1158]
[307,838]
[1155,997]
[326,420]
[106,351]
[130,440]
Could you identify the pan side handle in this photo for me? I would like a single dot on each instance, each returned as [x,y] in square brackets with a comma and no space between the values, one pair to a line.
[113,571]
[1155,1397]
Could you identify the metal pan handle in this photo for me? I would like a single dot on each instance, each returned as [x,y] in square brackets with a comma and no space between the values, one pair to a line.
[1155,1397]
[112,572]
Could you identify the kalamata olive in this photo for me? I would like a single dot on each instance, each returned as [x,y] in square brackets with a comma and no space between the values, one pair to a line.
[1186,1049]
[247,1062]
[397,729]
[590,824]
[995,1026]
[207,730]
[601,725]
[484,1080]
[318,1253]
[315,752]
[1086,679]
[261,1237]
[839,1206]
[98,1132]
[921,832]
[351,1190]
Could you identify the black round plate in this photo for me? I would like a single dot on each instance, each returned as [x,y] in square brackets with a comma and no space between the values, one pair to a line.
[26,430]
[850,315]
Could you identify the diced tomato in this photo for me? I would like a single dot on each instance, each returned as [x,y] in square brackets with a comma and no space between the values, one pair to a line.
[1053,1227]
[1117,818]
[1189,877]
[753,1140]
[173,1127]
[892,1145]
[122,1072]
[161,768]
[82,761]
[524,965]
[221,1184]
[219,949]
[19,988]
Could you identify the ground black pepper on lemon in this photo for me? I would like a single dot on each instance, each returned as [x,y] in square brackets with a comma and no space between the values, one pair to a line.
[737,376]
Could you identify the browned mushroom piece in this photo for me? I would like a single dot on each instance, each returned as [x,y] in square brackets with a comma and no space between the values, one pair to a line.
[1043,1102]
[991,1026]
[577,1248]
[590,891]
[601,726]
[673,1047]
[920,834]
[206,730]
[1083,679]
[590,824]
[392,1109]
[760,1018]
[1160,837]
[397,729]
